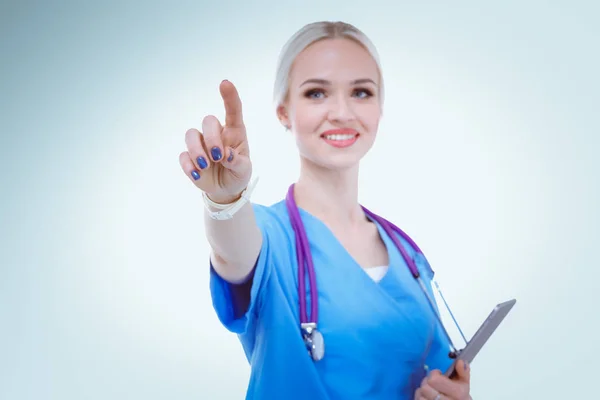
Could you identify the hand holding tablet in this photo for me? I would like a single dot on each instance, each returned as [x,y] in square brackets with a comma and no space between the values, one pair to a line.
[482,335]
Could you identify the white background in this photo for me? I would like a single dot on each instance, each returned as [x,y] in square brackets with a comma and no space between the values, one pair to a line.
[486,157]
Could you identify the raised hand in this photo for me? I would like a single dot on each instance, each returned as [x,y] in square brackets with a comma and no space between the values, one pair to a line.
[217,159]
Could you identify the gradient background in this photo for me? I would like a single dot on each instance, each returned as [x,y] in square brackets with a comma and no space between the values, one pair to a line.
[486,156]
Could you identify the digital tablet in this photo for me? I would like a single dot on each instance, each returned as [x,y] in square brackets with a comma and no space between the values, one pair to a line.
[482,335]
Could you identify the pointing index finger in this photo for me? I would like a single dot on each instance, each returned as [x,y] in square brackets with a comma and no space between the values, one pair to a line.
[233,104]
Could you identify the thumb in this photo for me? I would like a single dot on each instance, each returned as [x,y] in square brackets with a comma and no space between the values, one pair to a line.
[463,370]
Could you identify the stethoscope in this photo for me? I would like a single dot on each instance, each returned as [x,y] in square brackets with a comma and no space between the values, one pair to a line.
[313,339]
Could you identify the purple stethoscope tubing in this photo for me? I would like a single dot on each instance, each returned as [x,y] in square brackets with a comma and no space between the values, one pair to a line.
[307,264]
[302,247]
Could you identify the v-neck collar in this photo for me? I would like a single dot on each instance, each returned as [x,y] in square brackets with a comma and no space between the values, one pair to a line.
[396,286]
[389,246]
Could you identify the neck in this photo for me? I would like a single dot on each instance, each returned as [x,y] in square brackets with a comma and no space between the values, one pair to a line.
[330,195]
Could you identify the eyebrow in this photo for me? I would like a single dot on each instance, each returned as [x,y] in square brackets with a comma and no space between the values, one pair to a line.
[326,82]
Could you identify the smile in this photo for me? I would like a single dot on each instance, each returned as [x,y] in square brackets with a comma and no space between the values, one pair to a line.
[340,137]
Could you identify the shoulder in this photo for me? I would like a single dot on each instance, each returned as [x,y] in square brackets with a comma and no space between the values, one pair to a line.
[275,226]
[416,253]
[270,213]
[273,217]
[410,246]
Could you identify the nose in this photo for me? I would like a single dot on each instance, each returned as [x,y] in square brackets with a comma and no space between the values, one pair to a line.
[341,109]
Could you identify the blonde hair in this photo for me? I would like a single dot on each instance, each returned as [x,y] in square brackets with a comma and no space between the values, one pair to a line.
[310,34]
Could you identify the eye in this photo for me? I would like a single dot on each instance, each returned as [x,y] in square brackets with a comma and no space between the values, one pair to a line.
[363,93]
[314,94]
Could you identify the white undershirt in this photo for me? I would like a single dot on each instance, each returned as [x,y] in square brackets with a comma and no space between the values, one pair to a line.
[376,273]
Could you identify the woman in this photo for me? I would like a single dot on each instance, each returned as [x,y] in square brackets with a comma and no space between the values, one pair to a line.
[380,333]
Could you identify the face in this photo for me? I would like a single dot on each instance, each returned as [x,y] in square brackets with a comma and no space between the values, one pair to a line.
[333,106]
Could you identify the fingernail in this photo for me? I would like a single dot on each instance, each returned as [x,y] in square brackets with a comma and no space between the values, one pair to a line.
[466,365]
[230,156]
[195,175]
[202,162]
[216,153]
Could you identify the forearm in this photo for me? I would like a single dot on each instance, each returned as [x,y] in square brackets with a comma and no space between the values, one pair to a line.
[235,243]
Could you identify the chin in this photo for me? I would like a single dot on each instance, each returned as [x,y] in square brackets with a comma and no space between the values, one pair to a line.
[341,163]
[338,161]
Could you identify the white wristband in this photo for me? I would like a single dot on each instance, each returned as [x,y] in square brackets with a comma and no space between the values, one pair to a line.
[227,211]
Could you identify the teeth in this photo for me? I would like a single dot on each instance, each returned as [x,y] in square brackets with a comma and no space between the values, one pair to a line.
[339,137]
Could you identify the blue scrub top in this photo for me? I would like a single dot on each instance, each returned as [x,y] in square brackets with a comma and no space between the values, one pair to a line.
[378,335]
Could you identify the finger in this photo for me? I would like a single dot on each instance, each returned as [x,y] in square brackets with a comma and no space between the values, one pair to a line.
[442,384]
[420,395]
[193,141]
[236,162]
[187,165]
[211,134]
[233,104]
[427,392]
[463,371]
[417,394]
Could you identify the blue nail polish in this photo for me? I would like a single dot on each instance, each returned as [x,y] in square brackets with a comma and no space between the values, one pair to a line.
[215,152]
[195,175]
[202,162]
[230,156]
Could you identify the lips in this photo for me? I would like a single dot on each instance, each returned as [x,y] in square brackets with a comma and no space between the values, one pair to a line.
[340,137]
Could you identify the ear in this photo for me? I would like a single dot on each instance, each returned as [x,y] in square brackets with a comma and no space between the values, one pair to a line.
[283,117]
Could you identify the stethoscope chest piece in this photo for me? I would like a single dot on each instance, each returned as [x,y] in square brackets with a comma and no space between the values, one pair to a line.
[313,339]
